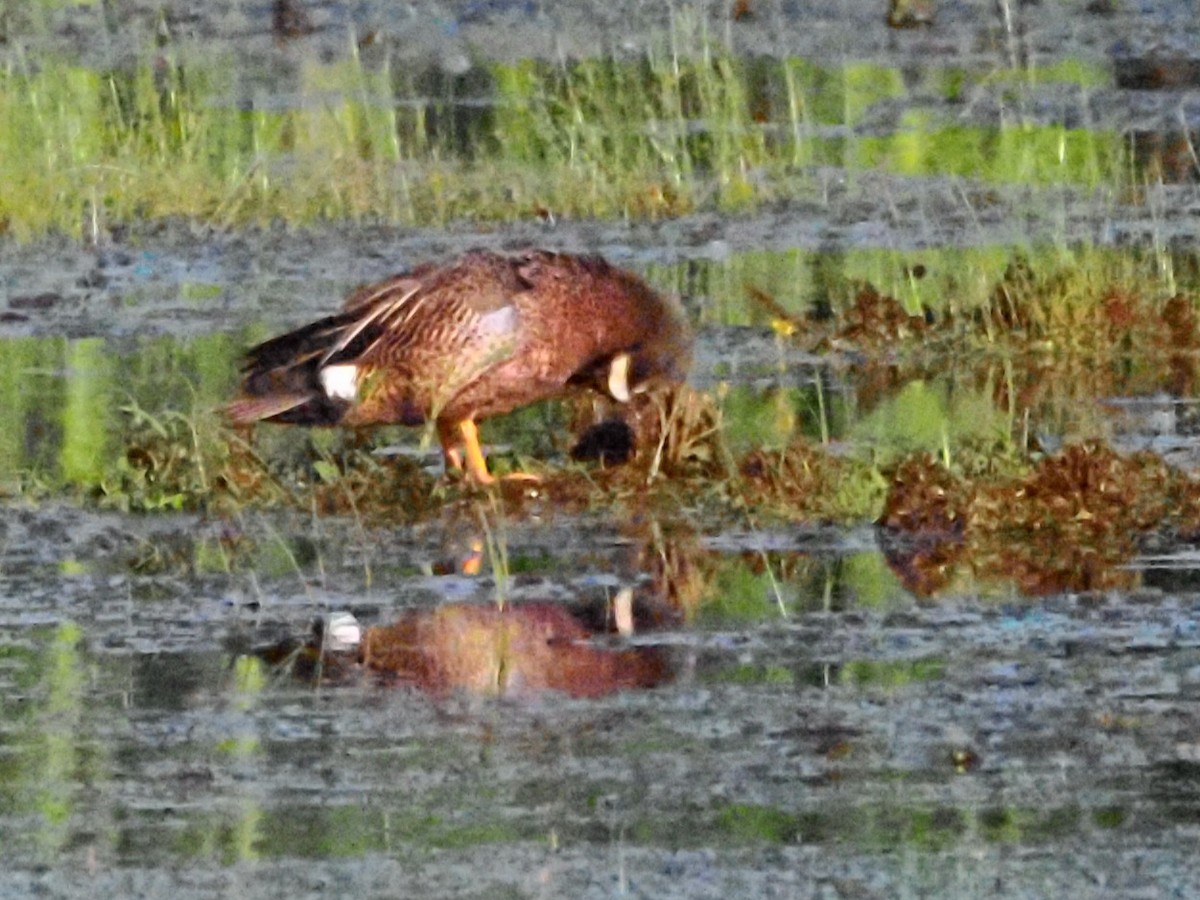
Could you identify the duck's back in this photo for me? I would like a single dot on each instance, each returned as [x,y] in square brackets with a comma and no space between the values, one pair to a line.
[576,314]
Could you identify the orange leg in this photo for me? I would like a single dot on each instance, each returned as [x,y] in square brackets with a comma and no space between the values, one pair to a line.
[471,460]
[449,434]
[447,437]
[476,464]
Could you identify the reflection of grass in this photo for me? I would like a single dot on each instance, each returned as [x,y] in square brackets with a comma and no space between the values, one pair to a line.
[492,524]
[955,281]
[739,594]
[889,827]
[42,752]
[1012,824]
[747,673]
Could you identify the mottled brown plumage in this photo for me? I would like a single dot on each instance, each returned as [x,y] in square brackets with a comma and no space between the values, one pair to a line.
[476,338]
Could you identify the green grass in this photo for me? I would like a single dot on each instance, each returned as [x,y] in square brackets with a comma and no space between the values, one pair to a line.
[687,125]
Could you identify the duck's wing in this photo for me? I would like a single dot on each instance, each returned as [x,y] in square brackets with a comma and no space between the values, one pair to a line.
[398,351]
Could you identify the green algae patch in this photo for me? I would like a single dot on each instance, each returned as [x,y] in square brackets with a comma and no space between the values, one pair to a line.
[754,824]
[891,675]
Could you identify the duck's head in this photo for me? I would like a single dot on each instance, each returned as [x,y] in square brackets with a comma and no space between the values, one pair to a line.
[662,358]
[642,369]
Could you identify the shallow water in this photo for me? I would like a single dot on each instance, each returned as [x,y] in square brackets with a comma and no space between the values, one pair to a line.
[810,712]
[786,717]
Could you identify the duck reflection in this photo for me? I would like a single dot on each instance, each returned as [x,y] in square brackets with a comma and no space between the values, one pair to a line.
[524,648]
[515,649]
[521,645]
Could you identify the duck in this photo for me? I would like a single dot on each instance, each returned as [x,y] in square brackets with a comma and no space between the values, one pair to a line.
[463,341]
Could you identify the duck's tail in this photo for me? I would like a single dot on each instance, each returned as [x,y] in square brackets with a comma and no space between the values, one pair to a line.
[294,379]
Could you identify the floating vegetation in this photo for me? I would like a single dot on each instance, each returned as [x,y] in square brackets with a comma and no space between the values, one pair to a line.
[803,481]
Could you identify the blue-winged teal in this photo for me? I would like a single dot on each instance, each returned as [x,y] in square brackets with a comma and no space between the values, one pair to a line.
[476,338]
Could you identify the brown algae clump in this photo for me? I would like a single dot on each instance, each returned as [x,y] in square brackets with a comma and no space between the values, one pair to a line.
[1070,523]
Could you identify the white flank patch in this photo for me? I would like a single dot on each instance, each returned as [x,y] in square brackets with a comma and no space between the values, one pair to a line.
[342,631]
[340,382]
